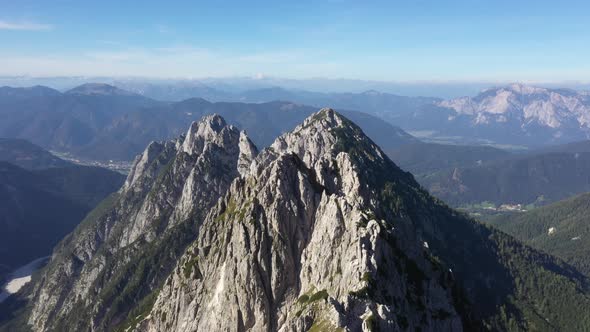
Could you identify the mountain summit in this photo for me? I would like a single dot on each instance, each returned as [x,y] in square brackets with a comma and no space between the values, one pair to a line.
[320,231]
[99,89]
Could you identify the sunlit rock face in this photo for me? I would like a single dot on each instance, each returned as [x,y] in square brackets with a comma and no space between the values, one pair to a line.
[297,243]
[140,231]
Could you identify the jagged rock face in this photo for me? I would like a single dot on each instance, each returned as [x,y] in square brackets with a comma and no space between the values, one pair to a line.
[301,242]
[320,231]
[129,244]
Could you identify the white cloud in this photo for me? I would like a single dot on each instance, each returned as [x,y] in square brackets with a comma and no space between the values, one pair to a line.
[24,26]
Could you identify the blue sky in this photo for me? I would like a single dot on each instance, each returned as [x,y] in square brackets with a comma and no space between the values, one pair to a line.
[477,40]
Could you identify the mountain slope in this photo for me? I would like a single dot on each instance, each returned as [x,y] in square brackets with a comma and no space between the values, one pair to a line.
[123,250]
[174,91]
[40,207]
[561,229]
[422,159]
[530,179]
[573,147]
[64,122]
[27,155]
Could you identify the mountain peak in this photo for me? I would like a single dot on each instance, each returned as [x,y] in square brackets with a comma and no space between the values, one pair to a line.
[326,116]
[325,132]
[99,89]
[213,122]
[209,129]
[324,137]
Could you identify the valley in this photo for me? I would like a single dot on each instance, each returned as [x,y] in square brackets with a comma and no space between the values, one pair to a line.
[122,167]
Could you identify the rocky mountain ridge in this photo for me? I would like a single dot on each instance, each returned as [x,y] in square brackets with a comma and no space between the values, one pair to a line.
[300,196]
[320,231]
[326,233]
[136,234]
[555,109]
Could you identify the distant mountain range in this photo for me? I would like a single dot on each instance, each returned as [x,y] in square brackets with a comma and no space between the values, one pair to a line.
[99,121]
[235,84]
[83,120]
[520,114]
[97,89]
[515,115]
[63,121]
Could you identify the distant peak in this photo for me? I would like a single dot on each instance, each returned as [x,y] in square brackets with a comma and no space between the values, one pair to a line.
[99,89]
[525,89]
[372,93]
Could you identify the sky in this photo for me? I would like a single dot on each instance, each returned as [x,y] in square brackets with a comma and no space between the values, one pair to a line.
[405,41]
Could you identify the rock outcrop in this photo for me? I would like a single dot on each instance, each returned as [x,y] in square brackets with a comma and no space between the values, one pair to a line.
[303,241]
[129,244]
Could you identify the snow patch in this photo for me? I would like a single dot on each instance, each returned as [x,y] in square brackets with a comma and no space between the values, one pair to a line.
[20,277]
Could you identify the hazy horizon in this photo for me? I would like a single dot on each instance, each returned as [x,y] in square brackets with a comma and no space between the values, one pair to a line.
[450,89]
